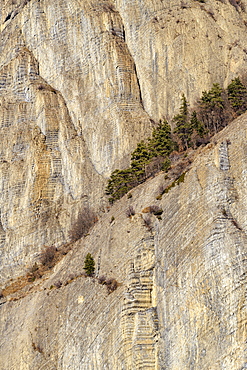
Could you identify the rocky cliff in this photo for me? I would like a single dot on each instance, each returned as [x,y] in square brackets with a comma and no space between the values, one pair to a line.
[181,295]
[81,82]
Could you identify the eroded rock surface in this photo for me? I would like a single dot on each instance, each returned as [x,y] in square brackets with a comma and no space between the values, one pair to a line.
[181,299]
[80,84]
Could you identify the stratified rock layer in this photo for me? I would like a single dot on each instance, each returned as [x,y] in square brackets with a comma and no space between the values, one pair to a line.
[80,85]
[180,302]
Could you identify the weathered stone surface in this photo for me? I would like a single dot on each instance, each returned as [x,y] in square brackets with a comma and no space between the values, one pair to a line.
[80,82]
[70,113]
[181,298]
[202,268]
[188,46]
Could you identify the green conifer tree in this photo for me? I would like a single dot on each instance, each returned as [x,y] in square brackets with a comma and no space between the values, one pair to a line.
[183,128]
[120,182]
[237,95]
[212,107]
[161,143]
[139,160]
[197,125]
[89,264]
[213,98]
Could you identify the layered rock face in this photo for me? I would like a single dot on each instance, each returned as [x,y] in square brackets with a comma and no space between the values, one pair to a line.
[181,296]
[71,111]
[81,83]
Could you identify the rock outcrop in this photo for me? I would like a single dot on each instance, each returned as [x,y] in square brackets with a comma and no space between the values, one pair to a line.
[81,83]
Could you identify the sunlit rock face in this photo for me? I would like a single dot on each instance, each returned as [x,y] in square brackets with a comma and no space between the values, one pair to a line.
[183,47]
[70,112]
[180,300]
[81,83]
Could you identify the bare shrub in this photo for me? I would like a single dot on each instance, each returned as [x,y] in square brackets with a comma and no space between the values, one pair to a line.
[111,285]
[41,87]
[85,220]
[197,140]
[154,166]
[148,222]
[156,210]
[174,156]
[34,273]
[48,255]
[58,284]
[179,168]
[161,190]
[130,211]
[102,280]
[64,249]
[234,3]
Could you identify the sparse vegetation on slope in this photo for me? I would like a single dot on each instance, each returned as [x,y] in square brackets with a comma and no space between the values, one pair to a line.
[146,160]
[215,110]
[89,264]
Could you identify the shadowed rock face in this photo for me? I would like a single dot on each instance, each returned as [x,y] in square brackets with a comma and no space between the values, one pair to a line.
[80,83]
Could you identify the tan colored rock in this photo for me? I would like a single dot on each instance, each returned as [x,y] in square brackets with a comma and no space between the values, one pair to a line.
[183,47]
[80,82]
[71,112]
[180,302]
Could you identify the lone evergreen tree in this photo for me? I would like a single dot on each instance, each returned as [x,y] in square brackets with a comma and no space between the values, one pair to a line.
[89,264]
[120,182]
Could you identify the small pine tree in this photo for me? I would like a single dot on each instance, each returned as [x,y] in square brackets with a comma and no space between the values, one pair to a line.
[212,108]
[161,143]
[89,264]
[139,160]
[120,182]
[183,128]
[237,95]
[213,98]
[197,125]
